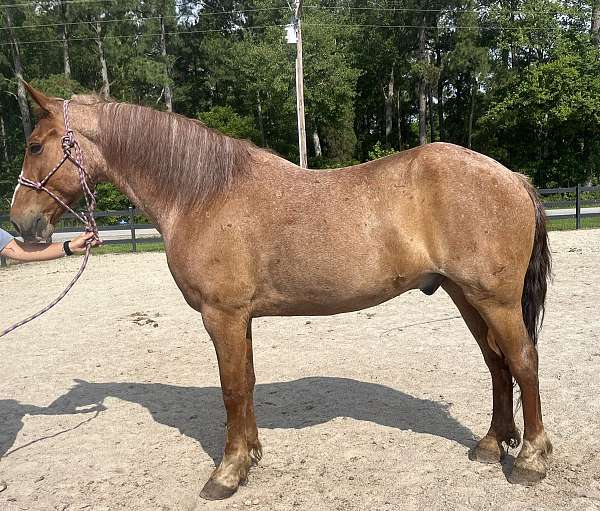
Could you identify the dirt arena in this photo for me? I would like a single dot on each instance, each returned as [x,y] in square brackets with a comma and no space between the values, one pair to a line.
[111,401]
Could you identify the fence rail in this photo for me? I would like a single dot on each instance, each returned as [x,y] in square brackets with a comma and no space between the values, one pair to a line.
[147,233]
[139,232]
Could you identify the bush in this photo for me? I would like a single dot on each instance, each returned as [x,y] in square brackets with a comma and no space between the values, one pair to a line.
[229,122]
[380,152]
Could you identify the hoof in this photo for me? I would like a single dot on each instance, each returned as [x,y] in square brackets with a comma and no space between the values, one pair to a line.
[485,455]
[487,451]
[525,476]
[216,491]
[530,465]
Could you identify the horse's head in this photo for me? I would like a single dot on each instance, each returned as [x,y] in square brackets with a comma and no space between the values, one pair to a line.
[33,212]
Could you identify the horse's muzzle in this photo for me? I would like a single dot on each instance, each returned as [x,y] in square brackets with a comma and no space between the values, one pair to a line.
[33,227]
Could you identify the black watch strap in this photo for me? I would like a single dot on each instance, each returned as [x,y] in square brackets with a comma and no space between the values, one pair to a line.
[67,249]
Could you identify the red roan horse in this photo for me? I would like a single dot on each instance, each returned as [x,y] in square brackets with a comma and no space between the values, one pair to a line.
[249,234]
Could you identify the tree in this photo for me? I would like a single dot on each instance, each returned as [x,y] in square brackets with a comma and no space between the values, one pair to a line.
[546,120]
[18,71]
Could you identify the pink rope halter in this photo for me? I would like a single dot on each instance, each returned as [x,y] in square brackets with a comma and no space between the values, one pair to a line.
[68,143]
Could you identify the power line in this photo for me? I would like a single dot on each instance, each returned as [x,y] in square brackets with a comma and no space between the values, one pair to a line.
[29,4]
[134,36]
[414,9]
[144,18]
[258,27]
[432,27]
[262,9]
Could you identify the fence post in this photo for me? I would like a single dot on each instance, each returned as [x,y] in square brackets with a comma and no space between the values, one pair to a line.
[3,262]
[578,207]
[132,225]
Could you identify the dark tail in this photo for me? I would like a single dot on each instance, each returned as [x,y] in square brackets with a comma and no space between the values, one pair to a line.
[539,270]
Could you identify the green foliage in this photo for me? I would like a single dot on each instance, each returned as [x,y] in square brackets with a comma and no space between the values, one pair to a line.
[545,120]
[58,86]
[378,151]
[109,197]
[227,121]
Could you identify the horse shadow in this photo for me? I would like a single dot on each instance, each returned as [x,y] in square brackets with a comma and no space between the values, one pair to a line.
[198,413]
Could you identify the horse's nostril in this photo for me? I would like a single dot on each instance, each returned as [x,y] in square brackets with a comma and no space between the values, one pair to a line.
[16,226]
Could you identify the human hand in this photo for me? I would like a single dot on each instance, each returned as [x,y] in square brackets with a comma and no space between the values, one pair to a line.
[78,244]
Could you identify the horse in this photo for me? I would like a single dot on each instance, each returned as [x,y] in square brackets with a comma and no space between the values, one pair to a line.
[248,234]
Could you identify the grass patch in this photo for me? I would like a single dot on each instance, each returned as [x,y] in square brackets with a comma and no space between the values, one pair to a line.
[125,248]
[568,224]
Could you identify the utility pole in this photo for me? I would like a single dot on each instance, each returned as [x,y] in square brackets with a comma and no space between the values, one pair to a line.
[296,37]
[163,52]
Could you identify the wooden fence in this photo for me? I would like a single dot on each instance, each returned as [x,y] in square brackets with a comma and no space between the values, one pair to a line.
[128,217]
[577,190]
[127,223]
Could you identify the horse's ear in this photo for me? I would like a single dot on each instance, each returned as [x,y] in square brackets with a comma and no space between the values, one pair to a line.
[45,105]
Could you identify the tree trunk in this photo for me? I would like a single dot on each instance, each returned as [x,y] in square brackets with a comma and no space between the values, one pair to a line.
[3,137]
[65,39]
[105,91]
[399,120]
[441,121]
[513,48]
[18,69]
[472,113]
[422,87]
[163,52]
[440,98]
[388,94]
[317,144]
[595,31]
[66,52]
[431,115]
[261,125]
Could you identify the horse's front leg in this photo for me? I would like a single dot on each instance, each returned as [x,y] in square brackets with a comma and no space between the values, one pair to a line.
[254,446]
[228,332]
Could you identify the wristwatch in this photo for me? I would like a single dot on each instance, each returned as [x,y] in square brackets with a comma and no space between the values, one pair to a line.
[67,250]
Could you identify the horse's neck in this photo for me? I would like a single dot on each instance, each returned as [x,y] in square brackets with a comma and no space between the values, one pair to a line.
[140,189]
[176,165]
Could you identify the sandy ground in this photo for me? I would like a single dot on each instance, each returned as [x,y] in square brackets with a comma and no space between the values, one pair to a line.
[111,401]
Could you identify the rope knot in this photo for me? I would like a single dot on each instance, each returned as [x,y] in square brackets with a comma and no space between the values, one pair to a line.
[68,140]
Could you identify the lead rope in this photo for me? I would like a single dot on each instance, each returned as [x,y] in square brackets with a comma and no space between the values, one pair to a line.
[68,143]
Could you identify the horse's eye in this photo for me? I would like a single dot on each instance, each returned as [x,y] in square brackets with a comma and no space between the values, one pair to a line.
[36,149]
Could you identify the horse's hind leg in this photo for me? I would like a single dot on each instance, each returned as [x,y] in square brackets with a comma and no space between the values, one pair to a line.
[228,333]
[252,440]
[505,322]
[502,429]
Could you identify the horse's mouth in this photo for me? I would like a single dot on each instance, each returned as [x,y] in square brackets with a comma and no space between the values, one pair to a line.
[42,234]
[37,240]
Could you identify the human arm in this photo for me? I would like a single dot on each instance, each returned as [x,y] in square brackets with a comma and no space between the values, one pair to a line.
[22,251]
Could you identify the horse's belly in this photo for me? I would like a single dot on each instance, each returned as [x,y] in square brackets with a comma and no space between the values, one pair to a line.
[327,298]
